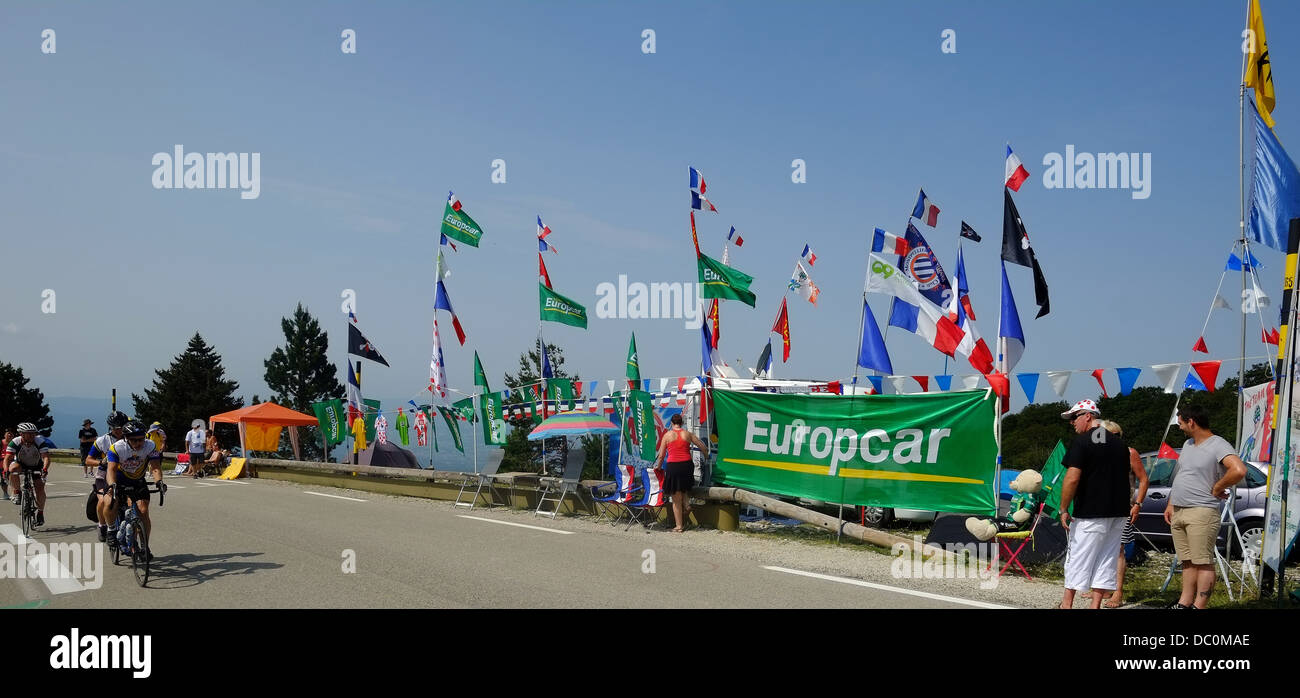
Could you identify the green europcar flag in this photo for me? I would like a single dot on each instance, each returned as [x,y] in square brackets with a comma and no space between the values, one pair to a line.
[494,423]
[480,378]
[465,409]
[556,308]
[718,280]
[457,225]
[639,429]
[453,426]
[559,393]
[331,416]
[633,366]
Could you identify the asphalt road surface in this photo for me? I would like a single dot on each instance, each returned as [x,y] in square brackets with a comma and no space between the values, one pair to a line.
[267,544]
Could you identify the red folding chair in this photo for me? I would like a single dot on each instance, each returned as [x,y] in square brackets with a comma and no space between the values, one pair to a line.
[1024,537]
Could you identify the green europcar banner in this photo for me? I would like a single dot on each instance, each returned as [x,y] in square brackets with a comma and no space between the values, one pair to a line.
[330,415]
[931,451]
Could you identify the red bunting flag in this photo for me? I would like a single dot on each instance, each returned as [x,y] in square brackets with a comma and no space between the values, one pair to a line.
[782,327]
[1097,374]
[1002,386]
[1271,337]
[1200,346]
[1208,372]
[924,381]
[1166,452]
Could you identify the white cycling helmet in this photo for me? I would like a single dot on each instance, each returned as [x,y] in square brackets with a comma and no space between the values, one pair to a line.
[26,427]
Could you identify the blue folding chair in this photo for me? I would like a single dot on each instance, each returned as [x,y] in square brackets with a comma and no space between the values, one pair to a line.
[646,510]
[609,506]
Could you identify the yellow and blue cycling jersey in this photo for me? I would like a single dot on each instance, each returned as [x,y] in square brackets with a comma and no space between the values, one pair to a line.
[132,462]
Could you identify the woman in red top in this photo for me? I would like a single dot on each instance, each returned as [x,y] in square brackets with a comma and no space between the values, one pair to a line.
[675,444]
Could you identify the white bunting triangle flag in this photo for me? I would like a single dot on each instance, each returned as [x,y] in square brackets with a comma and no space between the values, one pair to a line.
[1219,302]
[610,383]
[1059,379]
[1167,376]
[897,382]
[663,384]
[970,382]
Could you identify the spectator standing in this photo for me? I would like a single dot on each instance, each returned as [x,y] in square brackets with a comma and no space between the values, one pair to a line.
[87,437]
[1207,466]
[1096,484]
[194,440]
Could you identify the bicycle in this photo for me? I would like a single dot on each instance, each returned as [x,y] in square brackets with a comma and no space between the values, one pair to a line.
[131,538]
[27,501]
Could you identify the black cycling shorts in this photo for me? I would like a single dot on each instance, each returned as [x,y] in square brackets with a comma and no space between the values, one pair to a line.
[137,490]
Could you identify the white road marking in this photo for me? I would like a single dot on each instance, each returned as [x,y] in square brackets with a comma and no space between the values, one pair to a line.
[45,567]
[14,534]
[510,523]
[335,496]
[886,587]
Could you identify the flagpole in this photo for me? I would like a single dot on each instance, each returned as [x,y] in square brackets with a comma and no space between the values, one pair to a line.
[1241,223]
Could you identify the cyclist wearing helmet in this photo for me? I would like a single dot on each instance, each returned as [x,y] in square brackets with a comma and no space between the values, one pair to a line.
[127,461]
[97,458]
[29,452]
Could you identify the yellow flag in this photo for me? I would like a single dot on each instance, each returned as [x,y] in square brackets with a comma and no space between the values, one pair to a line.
[1259,72]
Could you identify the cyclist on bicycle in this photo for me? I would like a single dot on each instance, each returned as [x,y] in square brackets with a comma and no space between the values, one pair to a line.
[97,459]
[30,452]
[127,461]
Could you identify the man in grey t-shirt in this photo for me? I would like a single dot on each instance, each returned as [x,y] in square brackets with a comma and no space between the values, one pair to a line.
[1207,466]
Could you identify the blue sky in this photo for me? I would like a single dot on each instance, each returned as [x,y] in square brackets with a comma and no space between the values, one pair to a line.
[358,152]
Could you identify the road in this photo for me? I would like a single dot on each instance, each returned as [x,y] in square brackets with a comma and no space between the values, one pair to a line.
[269,544]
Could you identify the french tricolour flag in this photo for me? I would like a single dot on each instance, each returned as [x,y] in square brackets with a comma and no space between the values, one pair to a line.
[542,232]
[888,243]
[1009,326]
[697,181]
[1016,172]
[926,210]
[808,255]
[453,201]
[732,236]
[699,203]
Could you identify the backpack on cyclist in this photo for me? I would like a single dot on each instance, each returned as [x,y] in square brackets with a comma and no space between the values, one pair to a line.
[91,502]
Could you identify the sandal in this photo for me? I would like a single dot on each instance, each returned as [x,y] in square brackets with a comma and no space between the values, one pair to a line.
[1112,604]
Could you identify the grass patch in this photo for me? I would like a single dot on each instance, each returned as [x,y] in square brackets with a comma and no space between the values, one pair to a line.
[1142,584]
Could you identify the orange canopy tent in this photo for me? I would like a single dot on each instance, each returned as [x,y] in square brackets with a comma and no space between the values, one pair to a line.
[259,426]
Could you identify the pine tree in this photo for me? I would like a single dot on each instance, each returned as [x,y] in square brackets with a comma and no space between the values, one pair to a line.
[299,374]
[19,404]
[522,454]
[192,387]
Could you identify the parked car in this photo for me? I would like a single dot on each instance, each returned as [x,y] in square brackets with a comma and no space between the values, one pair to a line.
[883,516]
[1248,508]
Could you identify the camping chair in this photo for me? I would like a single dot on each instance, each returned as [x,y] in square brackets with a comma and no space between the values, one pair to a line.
[554,492]
[1024,537]
[481,479]
[646,510]
[610,506]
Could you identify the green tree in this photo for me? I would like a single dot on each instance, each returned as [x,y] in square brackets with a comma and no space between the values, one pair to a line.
[192,387]
[299,374]
[522,454]
[1144,414]
[19,404]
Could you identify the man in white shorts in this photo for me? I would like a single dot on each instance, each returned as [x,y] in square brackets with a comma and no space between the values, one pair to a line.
[1096,484]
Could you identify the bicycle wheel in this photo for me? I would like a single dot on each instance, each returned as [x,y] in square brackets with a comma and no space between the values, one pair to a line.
[29,511]
[139,553]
